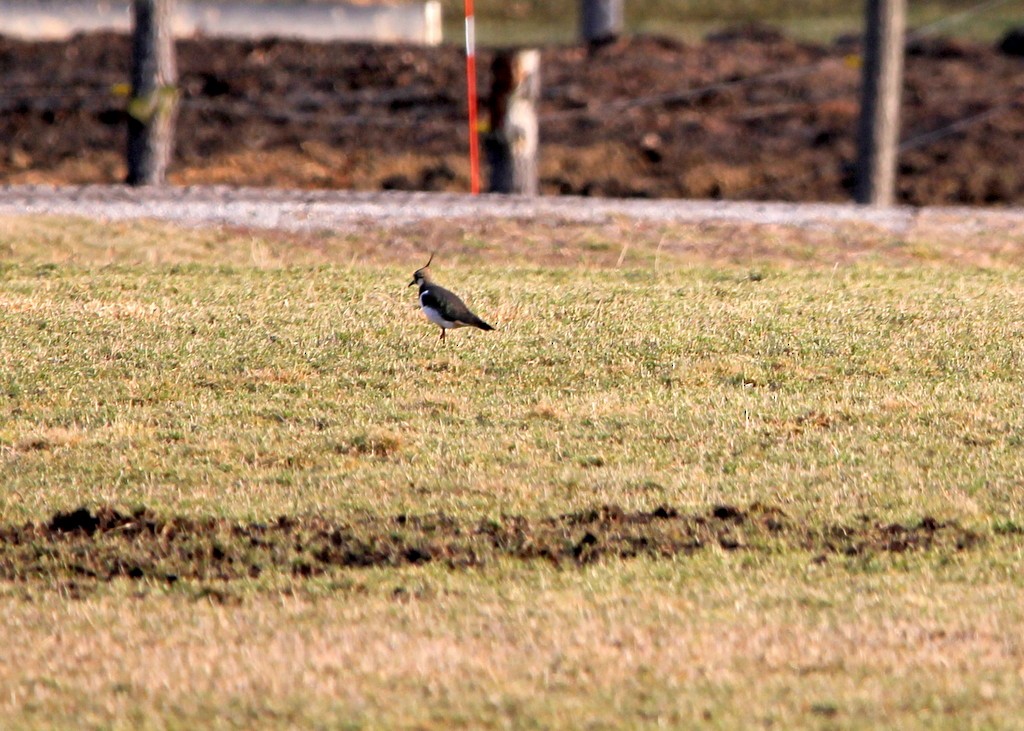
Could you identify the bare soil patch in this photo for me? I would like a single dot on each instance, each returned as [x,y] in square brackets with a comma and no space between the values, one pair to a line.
[621,121]
[106,543]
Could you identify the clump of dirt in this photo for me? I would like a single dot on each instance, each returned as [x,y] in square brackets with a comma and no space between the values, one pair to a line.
[105,543]
[642,117]
[82,520]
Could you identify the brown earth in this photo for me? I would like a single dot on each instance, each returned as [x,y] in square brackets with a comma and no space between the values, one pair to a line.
[103,544]
[620,121]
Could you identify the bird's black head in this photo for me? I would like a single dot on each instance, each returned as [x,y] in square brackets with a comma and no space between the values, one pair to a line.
[420,275]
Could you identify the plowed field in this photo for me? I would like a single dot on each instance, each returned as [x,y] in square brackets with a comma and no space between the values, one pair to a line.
[645,117]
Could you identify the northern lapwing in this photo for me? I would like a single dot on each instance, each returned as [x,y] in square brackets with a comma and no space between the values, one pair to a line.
[443,308]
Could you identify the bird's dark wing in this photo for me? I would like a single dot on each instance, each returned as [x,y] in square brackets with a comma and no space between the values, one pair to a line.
[447,303]
[450,306]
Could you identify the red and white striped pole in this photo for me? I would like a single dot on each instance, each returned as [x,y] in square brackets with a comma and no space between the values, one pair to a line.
[474,150]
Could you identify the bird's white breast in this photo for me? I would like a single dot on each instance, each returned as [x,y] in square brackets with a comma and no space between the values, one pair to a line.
[433,315]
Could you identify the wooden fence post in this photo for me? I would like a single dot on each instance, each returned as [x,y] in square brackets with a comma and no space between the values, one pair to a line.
[154,96]
[879,128]
[511,145]
[601,21]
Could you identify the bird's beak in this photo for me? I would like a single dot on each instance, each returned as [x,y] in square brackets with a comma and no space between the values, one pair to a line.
[412,282]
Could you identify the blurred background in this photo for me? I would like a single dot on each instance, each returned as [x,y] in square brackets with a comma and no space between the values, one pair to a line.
[732,99]
[555,21]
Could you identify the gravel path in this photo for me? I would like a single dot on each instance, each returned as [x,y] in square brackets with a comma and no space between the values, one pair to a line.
[299,210]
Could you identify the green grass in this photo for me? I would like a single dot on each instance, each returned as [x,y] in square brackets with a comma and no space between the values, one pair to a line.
[254,392]
[837,377]
[538,22]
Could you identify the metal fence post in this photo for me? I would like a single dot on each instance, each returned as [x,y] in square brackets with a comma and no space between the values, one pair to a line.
[601,21]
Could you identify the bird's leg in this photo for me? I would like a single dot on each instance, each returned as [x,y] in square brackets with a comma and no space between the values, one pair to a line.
[442,334]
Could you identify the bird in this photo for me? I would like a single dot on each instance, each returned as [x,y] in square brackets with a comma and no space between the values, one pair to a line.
[442,307]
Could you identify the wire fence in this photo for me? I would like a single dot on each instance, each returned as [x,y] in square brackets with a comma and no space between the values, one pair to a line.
[956,18]
[960,125]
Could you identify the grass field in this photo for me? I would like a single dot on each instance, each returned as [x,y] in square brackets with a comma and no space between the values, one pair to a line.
[542,21]
[708,476]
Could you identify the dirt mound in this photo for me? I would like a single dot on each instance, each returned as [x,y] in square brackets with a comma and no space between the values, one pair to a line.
[644,116]
[105,543]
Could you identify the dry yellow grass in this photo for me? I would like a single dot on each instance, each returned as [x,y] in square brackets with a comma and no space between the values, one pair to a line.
[714,641]
[934,240]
